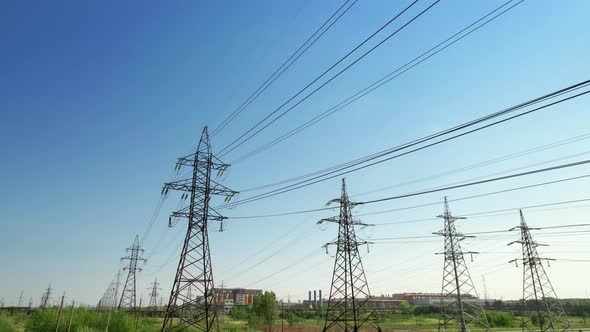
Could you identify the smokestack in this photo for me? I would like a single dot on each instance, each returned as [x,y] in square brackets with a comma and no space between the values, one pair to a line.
[315,299]
[309,297]
[321,299]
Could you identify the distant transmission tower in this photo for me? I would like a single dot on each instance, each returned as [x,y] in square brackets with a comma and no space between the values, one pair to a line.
[128,297]
[194,270]
[117,285]
[459,303]
[19,301]
[109,299]
[540,305]
[349,293]
[154,294]
[45,297]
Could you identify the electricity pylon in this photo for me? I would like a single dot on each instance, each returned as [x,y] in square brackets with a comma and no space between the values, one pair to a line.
[194,272]
[347,307]
[117,285]
[540,305]
[109,298]
[457,285]
[153,304]
[45,297]
[129,297]
[19,301]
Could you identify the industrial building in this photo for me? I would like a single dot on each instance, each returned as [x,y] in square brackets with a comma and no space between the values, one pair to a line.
[394,300]
[429,299]
[238,296]
[316,300]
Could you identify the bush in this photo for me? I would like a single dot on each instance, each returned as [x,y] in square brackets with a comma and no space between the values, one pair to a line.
[500,319]
[239,313]
[426,310]
[89,321]
[6,324]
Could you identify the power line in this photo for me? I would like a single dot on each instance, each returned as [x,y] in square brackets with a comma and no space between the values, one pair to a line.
[285,65]
[487,232]
[387,78]
[229,147]
[342,169]
[420,205]
[384,240]
[483,163]
[574,260]
[482,214]
[542,170]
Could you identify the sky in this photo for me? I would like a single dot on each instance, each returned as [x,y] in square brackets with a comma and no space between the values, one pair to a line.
[97,101]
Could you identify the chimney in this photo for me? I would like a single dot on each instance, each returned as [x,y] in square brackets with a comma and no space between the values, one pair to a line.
[315,298]
[321,300]
[309,297]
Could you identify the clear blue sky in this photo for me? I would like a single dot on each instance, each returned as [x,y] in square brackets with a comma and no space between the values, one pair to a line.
[98,99]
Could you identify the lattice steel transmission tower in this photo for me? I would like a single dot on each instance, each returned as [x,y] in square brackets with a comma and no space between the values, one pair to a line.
[540,305]
[460,306]
[194,273]
[45,297]
[128,296]
[154,294]
[109,299]
[19,301]
[347,307]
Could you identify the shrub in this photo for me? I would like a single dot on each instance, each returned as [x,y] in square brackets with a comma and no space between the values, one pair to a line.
[500,319]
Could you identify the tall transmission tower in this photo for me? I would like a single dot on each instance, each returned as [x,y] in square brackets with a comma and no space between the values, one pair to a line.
[117,285]
[485,291]
[540,305]
[45,297]
[128,297]
[109,298]
[19,301]
[154,294]
[347,307]
[459,303]
[194,273]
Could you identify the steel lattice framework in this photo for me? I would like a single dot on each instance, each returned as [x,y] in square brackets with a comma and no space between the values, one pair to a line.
[191,299]
[45,297]
[540,305]
[457,311]
[129,294]
[347,307]
[154,294]
[109,299]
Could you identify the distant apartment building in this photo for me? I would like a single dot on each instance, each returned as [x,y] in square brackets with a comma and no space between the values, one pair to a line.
[238,296]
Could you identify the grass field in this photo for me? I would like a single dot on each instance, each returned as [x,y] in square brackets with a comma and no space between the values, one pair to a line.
[89,321]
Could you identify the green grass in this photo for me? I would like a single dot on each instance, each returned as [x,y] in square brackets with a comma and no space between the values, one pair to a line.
[90,321]
[9,323]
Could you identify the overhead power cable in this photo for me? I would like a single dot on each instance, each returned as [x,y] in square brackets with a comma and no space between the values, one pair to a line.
[241,140]
[346,168]
[389,77]
[287,63]
[482,164]
[416,206]
[479,215]
[469,184]
[379,154]
[476,233]
[486,232]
